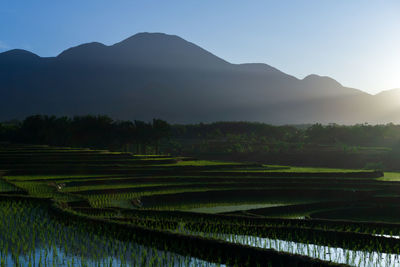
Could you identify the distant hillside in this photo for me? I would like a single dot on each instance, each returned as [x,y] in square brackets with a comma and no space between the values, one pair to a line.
[157,75]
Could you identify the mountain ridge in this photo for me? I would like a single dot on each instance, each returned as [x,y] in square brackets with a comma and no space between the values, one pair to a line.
[158,75]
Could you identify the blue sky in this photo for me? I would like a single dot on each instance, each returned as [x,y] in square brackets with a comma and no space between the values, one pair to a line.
[354,41]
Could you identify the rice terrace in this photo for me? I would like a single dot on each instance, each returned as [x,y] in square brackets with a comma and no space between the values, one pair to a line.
[64,206]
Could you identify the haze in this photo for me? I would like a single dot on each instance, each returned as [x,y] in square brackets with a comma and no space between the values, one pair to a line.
[354,42]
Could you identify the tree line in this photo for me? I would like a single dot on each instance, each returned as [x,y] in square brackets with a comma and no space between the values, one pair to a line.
[229,137]
[338,146]
[87,131]
[357,135]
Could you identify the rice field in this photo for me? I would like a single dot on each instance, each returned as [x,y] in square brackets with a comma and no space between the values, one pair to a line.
[30,237]
[83,207]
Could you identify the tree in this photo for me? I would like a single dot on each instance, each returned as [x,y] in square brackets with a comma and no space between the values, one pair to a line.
[160,129]
[143,136]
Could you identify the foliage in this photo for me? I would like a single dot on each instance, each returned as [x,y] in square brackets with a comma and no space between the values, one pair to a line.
[87,131]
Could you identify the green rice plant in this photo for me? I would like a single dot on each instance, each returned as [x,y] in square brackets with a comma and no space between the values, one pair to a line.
[7,187]
[30,236]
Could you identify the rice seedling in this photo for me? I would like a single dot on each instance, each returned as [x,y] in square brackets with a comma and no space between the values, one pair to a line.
[30,237]
[101,207]
[7,187]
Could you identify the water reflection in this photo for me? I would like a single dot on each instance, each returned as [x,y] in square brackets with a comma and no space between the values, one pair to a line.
[337,255]
[29,237]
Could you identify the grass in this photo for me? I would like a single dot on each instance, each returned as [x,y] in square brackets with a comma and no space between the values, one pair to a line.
[78,189]
[376,213]
[230,208]
[7,187]
[201,163]
[43,190]
[321,170]
[390,176]
[279,168]
[104,200]
[64,177]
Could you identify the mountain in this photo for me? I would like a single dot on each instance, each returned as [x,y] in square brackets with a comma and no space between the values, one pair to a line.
[158,75]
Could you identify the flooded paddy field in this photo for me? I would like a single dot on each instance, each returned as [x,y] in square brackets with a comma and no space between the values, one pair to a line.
[82,207]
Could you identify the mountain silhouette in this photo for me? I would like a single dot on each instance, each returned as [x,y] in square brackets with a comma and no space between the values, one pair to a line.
[158,75]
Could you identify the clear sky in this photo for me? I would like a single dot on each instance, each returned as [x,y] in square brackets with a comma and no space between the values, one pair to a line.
[356,42]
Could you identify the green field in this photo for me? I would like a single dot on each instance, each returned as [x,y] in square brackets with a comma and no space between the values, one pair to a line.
[229,208]
[79,197]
